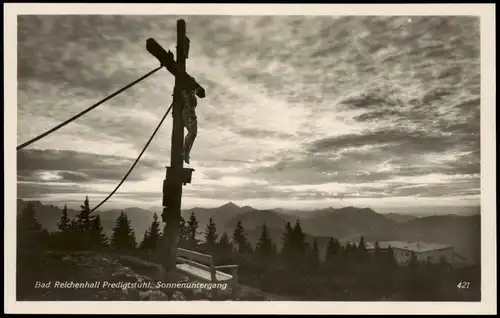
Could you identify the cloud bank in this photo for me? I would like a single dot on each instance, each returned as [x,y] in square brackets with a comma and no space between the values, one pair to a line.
[300,110]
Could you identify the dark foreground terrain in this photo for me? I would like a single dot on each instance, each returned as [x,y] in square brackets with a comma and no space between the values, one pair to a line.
[82,267]
[290,266]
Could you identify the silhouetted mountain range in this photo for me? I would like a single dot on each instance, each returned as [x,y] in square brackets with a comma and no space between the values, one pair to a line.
[400,217]
[345,224]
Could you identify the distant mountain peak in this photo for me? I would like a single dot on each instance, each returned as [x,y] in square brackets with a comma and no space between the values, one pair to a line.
[230,205]
[247,208]
[351,208]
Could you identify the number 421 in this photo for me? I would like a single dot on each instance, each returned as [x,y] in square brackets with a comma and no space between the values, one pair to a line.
[463,285]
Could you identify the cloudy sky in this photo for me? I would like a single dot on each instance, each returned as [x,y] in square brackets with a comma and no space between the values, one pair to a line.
[301,111]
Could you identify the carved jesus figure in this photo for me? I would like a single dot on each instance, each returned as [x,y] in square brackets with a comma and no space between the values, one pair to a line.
[190,121]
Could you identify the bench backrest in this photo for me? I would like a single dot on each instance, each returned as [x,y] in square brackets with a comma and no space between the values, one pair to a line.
[200,260]
[195,256]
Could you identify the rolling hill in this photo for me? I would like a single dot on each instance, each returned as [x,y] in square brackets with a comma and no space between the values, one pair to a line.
[345,224]
[256,218]
[400,217]
[48,216]
[350,223]
[219,215]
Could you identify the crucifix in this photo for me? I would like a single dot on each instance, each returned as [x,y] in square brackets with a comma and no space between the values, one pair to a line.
[176,175]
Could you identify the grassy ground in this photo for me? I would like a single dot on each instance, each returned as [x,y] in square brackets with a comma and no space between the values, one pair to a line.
[92,267]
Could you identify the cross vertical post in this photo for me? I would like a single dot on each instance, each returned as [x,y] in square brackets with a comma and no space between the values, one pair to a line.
[176,175]
[175,171]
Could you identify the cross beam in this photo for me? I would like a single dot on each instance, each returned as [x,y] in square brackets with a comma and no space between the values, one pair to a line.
[167,60]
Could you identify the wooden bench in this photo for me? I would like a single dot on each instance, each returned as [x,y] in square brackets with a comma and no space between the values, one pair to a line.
[201,266]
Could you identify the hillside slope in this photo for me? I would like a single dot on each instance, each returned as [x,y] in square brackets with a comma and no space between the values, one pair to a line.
[93,267]
[345,224]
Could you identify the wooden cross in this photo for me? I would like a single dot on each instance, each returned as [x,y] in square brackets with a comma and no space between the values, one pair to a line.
[176,175]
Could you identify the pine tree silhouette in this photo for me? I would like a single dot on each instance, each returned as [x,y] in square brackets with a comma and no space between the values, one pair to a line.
[152,235]
[264,246]
[224,243]
[64,223]
[99,239]
[63,238]
[314,258]
[184,232]
[239,238]
[286,240]
[361,252]
[298,240]
[154,231]
[362,244]
[192,227]
[144,243]
[332,250]
[83,219]
[377,254]
[83,226]
[211,234]
[29,230]
[390,258]
[348,252]
[123,237]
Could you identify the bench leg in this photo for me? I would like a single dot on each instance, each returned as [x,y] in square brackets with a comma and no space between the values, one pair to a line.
[214,292]
[234,283]
[213,280]
[234,291]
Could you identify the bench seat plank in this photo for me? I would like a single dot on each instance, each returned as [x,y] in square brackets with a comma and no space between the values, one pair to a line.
[202,273]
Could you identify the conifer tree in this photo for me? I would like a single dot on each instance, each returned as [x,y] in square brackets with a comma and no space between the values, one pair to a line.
[264,246]
[332,250]
[184,232]
[298,240]
[349,251]
[83,219]
[211,234]
[123,237]
[98,238]
[27,220]
[286,240]
[239,238]
[29,230]
[83,226]
[64,223]
[144,243]
[64,235]
[377,253]
[314,258]
[192,227]
[361,251]
[362,244]
[152,235]
[224,243]
[390,258]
